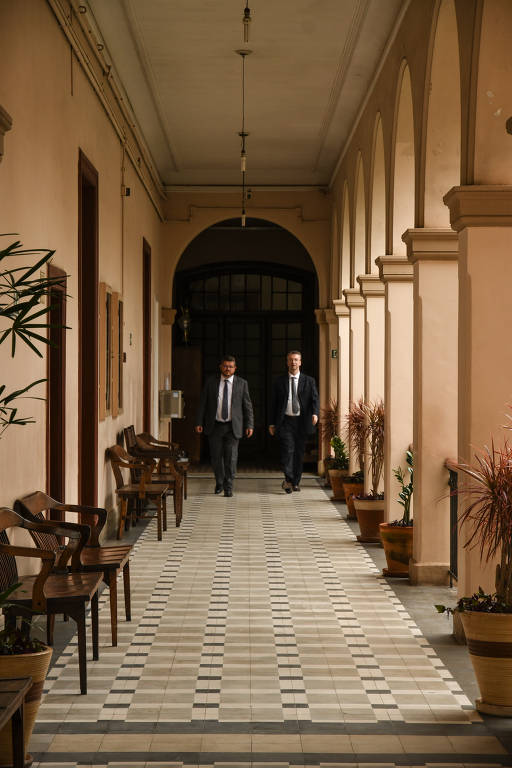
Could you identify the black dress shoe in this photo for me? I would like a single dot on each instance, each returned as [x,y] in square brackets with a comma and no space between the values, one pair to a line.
[228,492]
[218,488]
[296,487]
[286,486]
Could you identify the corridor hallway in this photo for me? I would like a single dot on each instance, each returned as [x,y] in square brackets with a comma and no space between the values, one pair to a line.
[262,634]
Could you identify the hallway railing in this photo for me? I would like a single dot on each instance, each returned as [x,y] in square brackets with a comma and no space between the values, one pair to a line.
[451,466]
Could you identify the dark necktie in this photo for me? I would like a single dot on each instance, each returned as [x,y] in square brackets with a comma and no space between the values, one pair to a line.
[225,409]
[295,399]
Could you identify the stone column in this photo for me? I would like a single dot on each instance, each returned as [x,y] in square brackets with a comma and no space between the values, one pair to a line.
[355,303]
[482,215]
[323,372]
[332,336]
[434,255]
[372,291]
[343,315]
[396,274]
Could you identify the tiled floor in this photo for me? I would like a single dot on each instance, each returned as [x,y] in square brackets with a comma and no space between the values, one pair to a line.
[262,634]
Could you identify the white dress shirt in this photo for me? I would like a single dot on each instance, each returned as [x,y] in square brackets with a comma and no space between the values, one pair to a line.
[220,395]
[289,409]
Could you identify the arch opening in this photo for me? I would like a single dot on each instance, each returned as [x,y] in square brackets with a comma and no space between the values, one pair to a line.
[378,201]
[250,292]
[360,225]
[403,179]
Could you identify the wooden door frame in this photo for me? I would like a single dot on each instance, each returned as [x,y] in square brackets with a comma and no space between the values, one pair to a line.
[88,273]
[56,385]
[146,336]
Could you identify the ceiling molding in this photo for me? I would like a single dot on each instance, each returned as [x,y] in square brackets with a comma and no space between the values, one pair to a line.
[341,74]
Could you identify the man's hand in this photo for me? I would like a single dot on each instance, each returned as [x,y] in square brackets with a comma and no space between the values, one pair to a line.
[272,430]
[198,429]
[248,432]
[314,419]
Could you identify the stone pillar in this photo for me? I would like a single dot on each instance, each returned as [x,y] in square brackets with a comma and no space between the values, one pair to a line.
[343,315]
[355,303]
[482,215]
[396,274]
[372,291]
[332,336]
[323,372]
[434,255]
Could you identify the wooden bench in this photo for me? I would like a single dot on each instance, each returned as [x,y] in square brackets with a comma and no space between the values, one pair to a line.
[12,698]
[181,463]
[140,490]
[109,560]
[51,592]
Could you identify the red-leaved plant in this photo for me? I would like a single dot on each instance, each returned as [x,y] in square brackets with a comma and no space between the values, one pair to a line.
[487,491]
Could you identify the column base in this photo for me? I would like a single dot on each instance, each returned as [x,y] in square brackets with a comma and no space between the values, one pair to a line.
[458,630]
[429,573]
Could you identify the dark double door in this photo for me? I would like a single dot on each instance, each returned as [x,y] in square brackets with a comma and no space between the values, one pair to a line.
[260,345]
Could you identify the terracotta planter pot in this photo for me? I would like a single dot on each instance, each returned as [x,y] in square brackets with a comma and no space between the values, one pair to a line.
[370,514]
[34,665]
[352,489]
[397,543]
[489,637]
[336,478]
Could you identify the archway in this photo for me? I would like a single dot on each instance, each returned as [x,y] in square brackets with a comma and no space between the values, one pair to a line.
[443,151]
[378,202]
[403,177]
[250,292]
[360,225]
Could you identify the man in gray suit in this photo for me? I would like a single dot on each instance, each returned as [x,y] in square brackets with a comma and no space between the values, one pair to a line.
[224,415]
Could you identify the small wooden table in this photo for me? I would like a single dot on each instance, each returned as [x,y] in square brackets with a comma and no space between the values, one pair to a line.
[12,694]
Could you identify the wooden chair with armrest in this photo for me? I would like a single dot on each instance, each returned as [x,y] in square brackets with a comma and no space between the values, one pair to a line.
[141,489]
[173,476]
[181,463]
[108,560]
[54,589]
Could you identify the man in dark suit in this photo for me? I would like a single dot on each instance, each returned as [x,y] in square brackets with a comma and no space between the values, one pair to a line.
[294,415]
[225,414]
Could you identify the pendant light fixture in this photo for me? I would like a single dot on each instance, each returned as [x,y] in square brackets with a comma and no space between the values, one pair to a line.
[243,53]
[246,21]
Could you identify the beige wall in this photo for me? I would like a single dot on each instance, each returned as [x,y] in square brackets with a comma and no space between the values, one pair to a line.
[55,113]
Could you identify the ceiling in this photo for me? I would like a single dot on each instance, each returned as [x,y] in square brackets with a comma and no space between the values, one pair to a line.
[311,65]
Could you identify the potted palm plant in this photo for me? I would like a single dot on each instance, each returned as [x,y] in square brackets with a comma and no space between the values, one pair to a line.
[370,507]
[21,656]
[487,617]
[396,536]
[338,469]
[353,485]
[23,312]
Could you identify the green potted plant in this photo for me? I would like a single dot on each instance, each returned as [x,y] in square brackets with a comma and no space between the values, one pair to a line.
[22,656]
[23,311]
[353,485]
[487,617]
[396,536]
[328,427]
[338,469]
[370,507]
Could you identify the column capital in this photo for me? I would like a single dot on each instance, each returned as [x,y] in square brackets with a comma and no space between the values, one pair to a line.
[394,269]
[431,245]
[341,308]
[320,316]
[480,205]
[371,286]
[330,316]
[5,125]
[353,298]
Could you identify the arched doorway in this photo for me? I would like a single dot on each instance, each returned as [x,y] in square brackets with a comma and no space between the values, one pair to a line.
[250,292]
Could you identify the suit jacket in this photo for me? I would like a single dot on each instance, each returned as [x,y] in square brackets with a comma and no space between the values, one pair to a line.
[242,416]
[308,399]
